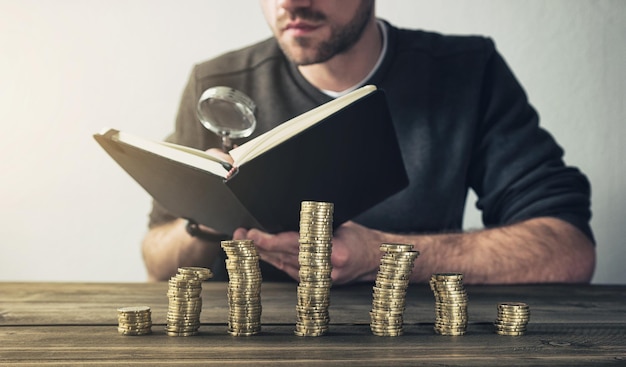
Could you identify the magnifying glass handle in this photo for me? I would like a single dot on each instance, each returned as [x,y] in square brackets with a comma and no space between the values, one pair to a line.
[227,144]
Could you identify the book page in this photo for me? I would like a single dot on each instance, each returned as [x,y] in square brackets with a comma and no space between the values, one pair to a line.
[189,156]
[284,131]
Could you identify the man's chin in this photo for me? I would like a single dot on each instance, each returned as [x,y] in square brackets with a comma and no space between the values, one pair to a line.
[301,58]
[305,56]
[300,51]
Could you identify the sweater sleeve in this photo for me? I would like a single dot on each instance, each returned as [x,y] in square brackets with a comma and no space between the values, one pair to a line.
[518,170]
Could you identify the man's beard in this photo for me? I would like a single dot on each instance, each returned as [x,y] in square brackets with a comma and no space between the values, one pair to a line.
[341,39]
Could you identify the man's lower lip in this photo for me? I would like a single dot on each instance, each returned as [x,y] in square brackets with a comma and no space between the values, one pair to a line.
[300,31]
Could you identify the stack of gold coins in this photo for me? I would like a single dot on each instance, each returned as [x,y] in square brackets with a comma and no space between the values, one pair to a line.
[512,318]
[316,233]
[389,292]
[244,287]
[134,320]
[185,302]
[450,303]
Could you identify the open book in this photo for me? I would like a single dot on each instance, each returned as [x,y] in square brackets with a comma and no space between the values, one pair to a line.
[344,151]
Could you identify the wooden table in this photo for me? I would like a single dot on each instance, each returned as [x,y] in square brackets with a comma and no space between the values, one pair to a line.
[76,324]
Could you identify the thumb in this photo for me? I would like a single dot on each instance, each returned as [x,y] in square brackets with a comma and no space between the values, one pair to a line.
[240,234]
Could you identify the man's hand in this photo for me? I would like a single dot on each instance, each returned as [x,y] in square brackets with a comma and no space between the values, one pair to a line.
[217,153]
[220,154]
[281,250]
[355,255]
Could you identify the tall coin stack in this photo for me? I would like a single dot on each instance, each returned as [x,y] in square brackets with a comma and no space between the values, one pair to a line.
[512,318]
[316,233]
[389,292]
[185,303]
[244,287]
[450,303]
[134,320]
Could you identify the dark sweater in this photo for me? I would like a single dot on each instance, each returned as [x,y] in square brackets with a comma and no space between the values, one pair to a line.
[462,119]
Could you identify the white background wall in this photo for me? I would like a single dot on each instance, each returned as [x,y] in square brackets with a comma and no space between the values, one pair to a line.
[71,67]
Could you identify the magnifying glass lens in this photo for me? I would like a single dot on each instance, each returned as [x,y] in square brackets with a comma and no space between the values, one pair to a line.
[227,112]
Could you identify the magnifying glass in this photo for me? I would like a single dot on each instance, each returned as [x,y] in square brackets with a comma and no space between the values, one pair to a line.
[228,113]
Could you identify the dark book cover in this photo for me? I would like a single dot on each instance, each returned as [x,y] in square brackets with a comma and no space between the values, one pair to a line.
[351,158]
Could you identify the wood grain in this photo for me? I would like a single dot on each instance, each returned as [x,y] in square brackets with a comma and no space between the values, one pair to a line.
[75,324]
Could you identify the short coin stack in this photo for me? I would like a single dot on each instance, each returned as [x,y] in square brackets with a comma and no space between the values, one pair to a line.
[185,303]
[512,318]
[389,292]
[244,287]
[134,320]
[316,233]
[450,303]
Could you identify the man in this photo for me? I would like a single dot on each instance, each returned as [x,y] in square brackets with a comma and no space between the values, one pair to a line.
[462,121]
